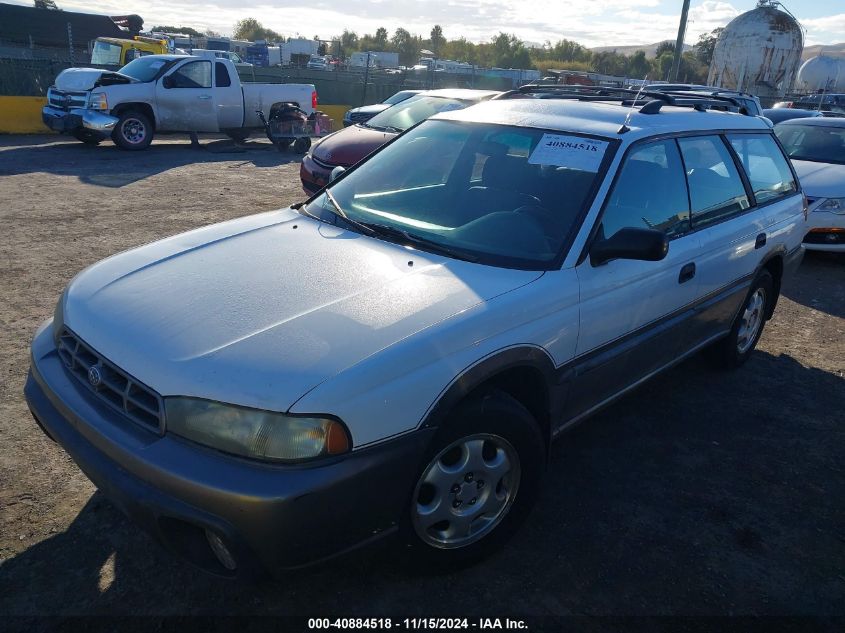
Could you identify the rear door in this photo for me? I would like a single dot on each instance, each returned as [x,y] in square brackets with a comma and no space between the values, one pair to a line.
[741,191]
[633,312]
[187,103]
[228,97]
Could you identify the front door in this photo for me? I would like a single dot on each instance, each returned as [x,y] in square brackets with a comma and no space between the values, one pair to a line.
[634,313]
[185,99]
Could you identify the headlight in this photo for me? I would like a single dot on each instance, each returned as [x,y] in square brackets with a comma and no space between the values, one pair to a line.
[98,101]
[255,433]
[833,205]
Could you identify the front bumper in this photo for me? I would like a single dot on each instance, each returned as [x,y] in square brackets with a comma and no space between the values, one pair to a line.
[271,517]
[64,121]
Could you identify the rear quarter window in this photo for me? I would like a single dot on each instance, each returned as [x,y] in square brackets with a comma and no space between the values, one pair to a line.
[715,186]
[765,165]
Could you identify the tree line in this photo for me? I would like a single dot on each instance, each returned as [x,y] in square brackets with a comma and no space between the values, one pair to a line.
[506,50]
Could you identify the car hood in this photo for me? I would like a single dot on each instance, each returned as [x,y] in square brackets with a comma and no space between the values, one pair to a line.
[373,109]
[821,180]
[260,310]
[87,78]
[350,145]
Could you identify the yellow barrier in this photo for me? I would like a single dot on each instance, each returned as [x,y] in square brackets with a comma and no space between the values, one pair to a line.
[336,113]
[22,115]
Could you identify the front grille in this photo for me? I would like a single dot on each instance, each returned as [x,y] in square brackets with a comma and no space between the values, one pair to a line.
[67,100]
[360,116]
[822,236]
[111,384]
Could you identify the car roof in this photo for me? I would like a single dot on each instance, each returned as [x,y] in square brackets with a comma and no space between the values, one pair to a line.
[168,56]
[821,121]
[462,93]
[602,118]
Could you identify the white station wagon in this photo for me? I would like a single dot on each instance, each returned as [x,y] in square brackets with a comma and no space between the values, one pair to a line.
[396,354]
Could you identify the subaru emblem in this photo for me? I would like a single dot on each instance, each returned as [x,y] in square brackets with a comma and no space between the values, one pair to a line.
[94,376]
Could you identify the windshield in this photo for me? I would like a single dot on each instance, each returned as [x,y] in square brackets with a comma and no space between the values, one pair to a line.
[105,54]
[411,111]
[501,195]
[144,68]
[813,142]
[398,97]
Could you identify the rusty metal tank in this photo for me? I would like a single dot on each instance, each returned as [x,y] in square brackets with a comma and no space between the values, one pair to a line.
[759,52]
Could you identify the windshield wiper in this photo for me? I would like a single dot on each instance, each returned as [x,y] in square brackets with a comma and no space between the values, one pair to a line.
[339,212]
[413,239]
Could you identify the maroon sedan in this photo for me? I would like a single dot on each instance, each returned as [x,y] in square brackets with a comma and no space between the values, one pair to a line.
[351,144]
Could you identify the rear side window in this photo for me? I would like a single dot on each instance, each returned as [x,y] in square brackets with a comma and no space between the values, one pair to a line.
[193,75]
[221,76]
[650,192]
[715,187]
[765,165]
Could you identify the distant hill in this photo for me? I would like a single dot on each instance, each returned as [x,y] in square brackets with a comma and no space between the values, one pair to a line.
[833,50]
[650,49]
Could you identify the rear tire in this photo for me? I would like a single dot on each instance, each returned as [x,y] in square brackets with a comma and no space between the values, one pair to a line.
[239,136]
[301,145]
[134,131]
[736,348]
[477,483]
[88,137]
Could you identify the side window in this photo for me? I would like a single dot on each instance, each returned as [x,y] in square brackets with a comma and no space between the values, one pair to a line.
[765,165]
[193,75]
[715,187]
[650,192]
[221,76]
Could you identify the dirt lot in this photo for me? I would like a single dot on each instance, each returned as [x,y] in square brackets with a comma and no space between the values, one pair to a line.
[702,493]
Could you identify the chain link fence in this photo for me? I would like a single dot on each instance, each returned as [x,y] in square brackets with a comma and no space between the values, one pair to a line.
[29,70]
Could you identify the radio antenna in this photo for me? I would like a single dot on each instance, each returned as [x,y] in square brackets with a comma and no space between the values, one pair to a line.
[625,127]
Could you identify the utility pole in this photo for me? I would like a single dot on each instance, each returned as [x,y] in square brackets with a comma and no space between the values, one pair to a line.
[366,76]
[679,43]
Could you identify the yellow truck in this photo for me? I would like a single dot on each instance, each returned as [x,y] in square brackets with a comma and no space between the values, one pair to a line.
[116,52]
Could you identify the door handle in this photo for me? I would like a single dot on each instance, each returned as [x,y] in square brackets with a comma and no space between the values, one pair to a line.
[204,97]
[760,242]
[687,273]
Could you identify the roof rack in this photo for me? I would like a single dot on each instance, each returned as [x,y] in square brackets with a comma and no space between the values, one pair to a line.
[650,101]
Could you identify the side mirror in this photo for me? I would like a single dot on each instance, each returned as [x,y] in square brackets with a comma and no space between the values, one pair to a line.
[167,81]
[336,172]
[648,245]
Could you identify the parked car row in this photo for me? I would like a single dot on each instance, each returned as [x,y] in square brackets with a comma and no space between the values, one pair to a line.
[426,323]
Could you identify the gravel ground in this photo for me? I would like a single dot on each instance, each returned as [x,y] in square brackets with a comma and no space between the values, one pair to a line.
[701,493]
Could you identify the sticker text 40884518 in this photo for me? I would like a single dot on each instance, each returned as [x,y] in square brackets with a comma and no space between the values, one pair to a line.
[575,152]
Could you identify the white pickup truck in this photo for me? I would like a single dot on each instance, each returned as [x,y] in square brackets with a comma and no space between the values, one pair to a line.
[163,93]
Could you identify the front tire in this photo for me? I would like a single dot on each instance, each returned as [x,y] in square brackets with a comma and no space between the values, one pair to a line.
[134,131]
[736,348]
[88,137]
[477,482]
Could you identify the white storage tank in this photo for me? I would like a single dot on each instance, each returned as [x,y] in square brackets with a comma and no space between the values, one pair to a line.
[759,52]
[822,73]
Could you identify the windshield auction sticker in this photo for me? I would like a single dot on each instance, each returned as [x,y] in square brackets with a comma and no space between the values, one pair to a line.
[575,152]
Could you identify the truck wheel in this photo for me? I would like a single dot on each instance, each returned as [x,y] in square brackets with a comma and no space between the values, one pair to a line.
[302,145]
[88,137]
[239,136]
[133,131]
[477,482]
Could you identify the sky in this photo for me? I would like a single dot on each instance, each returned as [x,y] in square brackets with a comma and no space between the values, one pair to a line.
[589,22]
